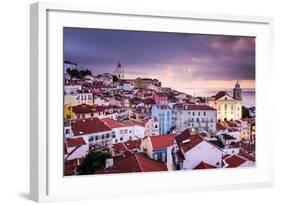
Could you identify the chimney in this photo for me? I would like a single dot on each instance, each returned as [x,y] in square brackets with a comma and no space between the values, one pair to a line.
[108,163]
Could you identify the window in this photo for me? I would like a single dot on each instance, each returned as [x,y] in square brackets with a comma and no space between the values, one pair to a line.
[204,113]
[125,131]
[102,137]
[67,131]
[198,113]
[225,107]
[92,114]
[193,113]
[155,156]
[91,139]
[97,137]
[107,135]
[121,138]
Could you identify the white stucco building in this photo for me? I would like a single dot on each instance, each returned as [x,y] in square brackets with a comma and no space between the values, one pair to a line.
[194,116]
[192,149]
[124,131]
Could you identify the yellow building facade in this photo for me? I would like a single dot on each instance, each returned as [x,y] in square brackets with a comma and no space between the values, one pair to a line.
[228,107]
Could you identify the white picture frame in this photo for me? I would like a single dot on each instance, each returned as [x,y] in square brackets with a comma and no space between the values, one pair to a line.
[46,178]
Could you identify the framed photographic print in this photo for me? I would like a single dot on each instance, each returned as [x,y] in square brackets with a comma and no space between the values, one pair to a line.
[120,97]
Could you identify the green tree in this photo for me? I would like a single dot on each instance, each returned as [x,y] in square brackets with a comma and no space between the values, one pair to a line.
[93,161]
[245,112]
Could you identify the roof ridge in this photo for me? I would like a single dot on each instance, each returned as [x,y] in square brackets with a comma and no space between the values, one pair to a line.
[72,151]
[139,164]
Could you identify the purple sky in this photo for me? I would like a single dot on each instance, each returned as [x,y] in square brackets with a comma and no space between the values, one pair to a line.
[181,60]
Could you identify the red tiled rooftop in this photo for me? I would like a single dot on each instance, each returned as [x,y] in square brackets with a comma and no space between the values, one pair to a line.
[234,161]
[186,141]
[132,144]
[194,141]
[87,126]
[134,163]
[113,123]
[82,109]
[162,141]
[204,165]
[129,145]
[136,122]
[220,126]
[199,107]
[185,106]
[220,94]
[75,142]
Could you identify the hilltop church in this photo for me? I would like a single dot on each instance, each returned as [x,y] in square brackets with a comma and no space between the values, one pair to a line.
[228,107]
[119,72]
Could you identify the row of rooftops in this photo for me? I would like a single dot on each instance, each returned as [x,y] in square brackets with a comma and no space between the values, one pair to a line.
[84,108]
[234,125]
[96,125]
[131,161]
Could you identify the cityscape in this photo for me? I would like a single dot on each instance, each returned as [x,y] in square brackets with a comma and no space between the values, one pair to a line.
[122,115]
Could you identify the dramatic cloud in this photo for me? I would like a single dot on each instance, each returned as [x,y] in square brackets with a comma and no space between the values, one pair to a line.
[188,59]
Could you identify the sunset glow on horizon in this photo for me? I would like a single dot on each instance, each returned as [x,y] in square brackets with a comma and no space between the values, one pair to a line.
[180,61]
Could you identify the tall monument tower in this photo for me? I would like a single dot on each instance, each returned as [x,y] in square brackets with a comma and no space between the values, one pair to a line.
[237,92]
[119,72]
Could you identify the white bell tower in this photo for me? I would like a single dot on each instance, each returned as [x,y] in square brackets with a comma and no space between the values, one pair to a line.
[119,72]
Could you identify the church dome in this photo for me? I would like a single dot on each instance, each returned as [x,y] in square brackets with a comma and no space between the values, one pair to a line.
[119,68]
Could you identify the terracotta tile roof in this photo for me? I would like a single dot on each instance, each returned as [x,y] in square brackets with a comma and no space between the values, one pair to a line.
[87,126]
[194,141]
[75,142]
[135,122]
[204,165]
[113,123]
[186,141]
[220,126]
[134,163]
[188,106]
[129,145]
[220,94]
[199,107]
[182,136]
[82,109]
[119,148]
[232,124]
[234,161]
[132,144]
[162,141]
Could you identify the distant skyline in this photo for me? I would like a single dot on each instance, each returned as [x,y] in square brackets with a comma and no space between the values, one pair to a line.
[180,61]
